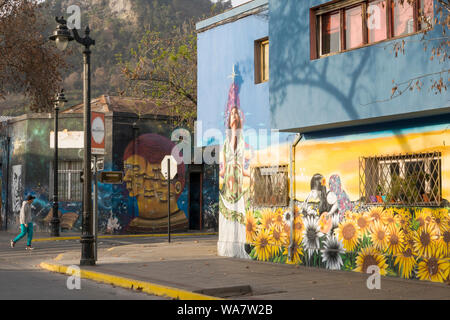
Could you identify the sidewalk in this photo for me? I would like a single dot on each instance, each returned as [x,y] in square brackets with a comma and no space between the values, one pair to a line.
[45,236]
[192,270]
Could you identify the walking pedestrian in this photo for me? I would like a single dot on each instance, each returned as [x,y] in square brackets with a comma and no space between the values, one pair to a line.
[26,226]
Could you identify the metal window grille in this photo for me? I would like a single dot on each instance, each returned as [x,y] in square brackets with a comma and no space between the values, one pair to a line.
[405,179]
[269,186]
[69,186]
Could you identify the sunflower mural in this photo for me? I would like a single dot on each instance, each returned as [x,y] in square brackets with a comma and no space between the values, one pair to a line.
[411,243]
[268,233]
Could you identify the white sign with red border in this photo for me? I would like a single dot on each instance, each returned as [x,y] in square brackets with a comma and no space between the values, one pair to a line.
[98,133]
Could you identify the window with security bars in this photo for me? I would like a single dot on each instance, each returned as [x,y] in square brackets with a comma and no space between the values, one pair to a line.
[70,187]
[406,179]
[269,186]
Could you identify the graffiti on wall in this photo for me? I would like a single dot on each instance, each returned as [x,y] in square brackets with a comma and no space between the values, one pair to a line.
[16,188]
[333,231]
[332,226]
[210,194]
[145,182]
[313,155]
[412,243]
[139,204]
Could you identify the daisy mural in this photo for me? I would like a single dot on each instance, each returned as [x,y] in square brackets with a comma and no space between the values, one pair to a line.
[332,253]
[411,243]
[311,235]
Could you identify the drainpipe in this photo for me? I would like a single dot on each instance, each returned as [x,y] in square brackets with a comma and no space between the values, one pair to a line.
[298,137]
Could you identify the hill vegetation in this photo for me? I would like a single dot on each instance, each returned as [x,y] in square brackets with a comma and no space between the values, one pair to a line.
[117,27]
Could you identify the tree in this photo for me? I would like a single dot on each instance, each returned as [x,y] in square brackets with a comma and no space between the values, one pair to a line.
[29,63]
[165,69]
[438,42]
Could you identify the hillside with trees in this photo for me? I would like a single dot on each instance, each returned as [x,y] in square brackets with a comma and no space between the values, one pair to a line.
[117,26]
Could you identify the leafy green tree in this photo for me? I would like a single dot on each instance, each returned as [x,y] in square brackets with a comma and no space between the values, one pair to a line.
[164,68]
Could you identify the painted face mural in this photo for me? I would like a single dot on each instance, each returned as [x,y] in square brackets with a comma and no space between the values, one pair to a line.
[145,182]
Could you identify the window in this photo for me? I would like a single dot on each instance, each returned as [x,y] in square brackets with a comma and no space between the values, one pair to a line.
[353,27]
[331,33]
[403,17]
[409,179]
[261,60]
[348,24]
[269,186]
[69,185]
[376,21]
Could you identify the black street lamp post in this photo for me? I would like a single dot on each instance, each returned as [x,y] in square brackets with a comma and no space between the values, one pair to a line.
[62,36]
[54,230]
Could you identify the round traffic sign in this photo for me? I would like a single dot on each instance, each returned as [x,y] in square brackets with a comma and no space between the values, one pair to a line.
[98,130]
[165,166]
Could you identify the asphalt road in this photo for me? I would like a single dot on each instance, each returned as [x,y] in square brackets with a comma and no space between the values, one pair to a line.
[21,278]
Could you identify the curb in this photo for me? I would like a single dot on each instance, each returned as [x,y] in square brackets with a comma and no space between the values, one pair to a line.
[129,236]
[142,286]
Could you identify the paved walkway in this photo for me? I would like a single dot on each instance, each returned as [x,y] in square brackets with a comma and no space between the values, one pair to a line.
[184,267]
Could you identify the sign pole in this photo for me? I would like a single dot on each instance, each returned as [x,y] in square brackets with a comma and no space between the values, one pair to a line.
[168,174]
[168,202]
[95,207]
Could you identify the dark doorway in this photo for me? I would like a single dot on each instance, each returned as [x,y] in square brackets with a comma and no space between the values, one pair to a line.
[195,201]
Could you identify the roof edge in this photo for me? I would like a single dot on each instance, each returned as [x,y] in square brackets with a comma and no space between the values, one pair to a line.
[444,111]
[232,14]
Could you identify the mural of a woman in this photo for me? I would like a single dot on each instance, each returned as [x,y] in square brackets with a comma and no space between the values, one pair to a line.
[234,168]
[143,178]
[332,203]
[343,202]
[318,192]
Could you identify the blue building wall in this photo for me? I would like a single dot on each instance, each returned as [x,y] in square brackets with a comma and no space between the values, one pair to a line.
[219,50]
[338,93]
[343,87]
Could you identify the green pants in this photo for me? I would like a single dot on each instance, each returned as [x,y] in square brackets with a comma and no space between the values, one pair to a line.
[25,230]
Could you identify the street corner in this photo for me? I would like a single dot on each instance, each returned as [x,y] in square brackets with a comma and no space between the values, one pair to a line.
[127,283]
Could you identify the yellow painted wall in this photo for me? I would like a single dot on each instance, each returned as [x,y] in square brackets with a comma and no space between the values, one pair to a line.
[341,156]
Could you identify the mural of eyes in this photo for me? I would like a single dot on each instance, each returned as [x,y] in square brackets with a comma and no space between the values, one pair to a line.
[157,172]
[149,193]
[178,187]
[161,196]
